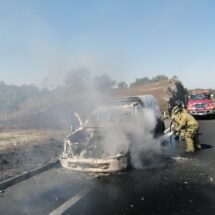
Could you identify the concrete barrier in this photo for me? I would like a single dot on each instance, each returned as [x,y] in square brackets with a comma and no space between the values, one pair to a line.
[11,181]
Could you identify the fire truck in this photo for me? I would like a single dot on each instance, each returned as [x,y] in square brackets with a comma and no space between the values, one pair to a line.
[200,103]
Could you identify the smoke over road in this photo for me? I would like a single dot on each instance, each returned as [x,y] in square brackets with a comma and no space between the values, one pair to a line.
[133,134]
[123,131]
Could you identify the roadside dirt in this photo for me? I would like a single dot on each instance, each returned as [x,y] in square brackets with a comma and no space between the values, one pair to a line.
[23,150]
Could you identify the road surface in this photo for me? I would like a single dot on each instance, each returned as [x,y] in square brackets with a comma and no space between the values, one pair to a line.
[170,184]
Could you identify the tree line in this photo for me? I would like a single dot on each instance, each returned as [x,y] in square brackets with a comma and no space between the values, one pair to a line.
[12,96]
[29,98]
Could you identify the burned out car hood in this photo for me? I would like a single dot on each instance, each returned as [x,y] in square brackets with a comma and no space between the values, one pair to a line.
[102,142]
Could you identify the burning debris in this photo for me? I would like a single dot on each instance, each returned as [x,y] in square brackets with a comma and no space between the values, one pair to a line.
[102,143]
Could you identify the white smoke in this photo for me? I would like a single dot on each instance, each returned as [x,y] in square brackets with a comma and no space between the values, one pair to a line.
[132,134]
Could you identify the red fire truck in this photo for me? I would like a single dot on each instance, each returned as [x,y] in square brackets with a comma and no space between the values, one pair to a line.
[200,103]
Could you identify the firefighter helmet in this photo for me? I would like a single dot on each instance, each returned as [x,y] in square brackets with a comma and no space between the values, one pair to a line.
[179,104]
[175,110]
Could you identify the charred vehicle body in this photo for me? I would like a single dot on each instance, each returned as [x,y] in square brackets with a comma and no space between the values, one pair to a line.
[90,148]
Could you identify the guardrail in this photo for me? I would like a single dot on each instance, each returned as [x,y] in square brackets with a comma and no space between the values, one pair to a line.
[11,181]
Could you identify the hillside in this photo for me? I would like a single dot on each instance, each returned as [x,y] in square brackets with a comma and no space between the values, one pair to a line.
[55,109]
[164,91]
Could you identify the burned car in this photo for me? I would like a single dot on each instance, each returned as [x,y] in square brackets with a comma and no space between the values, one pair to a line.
[102,143]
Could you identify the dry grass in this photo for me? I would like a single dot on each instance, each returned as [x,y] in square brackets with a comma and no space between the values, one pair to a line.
[23,150]
[18,138]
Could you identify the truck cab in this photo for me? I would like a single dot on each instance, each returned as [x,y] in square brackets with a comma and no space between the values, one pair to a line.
[200,103]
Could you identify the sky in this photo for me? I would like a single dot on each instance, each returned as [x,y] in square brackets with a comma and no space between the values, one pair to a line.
[42,40]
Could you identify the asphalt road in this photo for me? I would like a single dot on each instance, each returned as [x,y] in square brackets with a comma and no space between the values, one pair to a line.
[172,183]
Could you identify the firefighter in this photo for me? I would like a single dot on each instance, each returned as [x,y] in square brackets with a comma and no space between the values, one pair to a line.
[191,126]
[176,118]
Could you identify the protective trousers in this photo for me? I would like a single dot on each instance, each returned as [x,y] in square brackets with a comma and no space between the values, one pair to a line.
[192,140]
[183,134]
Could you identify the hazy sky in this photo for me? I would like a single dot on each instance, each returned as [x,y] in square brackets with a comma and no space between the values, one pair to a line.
[127,39]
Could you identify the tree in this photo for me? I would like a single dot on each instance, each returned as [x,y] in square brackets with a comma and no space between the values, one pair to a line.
[174,78]
[140,81]
[159,78]
[103,82]
[11,96]
[122,85]
[78,79]
[145,80]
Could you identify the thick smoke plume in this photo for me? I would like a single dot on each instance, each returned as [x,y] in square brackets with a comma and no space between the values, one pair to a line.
[132,134]
[123,131]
